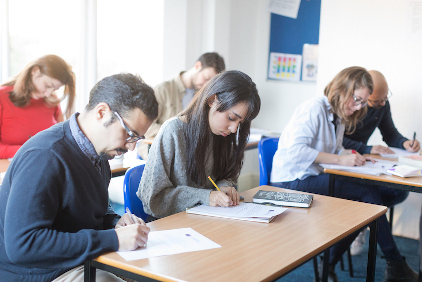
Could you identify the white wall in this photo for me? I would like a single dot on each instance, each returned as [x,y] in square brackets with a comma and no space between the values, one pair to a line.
[249,46]
[379,35]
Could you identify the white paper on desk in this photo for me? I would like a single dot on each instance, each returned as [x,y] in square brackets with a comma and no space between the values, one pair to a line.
[243,210]
[377,168]
[397,152]
[170,242]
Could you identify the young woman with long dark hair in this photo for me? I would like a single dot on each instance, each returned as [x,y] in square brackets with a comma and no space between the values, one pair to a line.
[207,139]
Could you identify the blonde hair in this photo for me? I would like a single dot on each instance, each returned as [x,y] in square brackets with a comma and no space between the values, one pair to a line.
[49,65]
[341,89]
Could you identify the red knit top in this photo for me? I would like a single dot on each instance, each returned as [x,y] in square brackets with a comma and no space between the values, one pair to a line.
[18,124]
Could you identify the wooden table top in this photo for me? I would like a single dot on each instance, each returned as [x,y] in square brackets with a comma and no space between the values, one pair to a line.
[4,164]
[253,251]
[409,181]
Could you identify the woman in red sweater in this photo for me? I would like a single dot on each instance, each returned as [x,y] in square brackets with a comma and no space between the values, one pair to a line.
[29,104]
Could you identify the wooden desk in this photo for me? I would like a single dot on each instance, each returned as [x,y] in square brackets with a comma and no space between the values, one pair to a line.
[413,184]
[4,164]
[250,251]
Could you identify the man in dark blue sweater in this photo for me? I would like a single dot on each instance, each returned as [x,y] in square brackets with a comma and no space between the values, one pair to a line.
[54,208]
[378,115]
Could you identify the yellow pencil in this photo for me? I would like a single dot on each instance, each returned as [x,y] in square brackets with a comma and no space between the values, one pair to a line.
[209,177]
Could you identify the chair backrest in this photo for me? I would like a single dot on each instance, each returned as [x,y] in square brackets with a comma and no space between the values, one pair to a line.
[266,150]
[130,187]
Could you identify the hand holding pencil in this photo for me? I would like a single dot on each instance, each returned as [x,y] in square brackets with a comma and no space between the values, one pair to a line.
[224,196]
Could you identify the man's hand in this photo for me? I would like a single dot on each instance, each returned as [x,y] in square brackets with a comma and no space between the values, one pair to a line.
[408,146]
[125,221]
[378,150]
[132,236]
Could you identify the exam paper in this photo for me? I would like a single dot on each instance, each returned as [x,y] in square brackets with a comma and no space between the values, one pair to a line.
[243,210]
[397,152]
[377,168]
[170,242]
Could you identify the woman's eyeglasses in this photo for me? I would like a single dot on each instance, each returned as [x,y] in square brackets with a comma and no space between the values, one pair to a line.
[359,101]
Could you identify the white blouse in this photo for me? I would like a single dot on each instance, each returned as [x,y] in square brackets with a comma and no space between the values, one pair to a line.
[309,131]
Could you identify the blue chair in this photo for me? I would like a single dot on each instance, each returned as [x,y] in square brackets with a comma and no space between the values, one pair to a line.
[266,150]
[130,187]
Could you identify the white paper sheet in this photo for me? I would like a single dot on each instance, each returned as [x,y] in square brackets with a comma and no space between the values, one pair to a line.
[397,152]
[287,8]
[242,210]
[170,242]
[378,168]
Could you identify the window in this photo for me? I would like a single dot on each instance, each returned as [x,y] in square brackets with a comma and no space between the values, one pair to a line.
[130,38]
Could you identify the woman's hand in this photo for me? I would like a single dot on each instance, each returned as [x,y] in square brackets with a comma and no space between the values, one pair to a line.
[228,196]
[354,159]
[378,150]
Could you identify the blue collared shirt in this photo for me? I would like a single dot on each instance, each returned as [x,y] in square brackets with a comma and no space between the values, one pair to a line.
[309,132]
[83,142]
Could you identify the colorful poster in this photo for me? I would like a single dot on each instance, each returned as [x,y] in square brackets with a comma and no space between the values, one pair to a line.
[285,66]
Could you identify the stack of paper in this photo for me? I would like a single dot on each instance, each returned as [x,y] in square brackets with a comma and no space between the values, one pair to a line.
[244,211]
[397,153]
[377,168]
[405,171]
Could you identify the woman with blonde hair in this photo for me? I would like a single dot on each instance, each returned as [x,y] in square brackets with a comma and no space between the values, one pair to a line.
[314,135]
[29,104]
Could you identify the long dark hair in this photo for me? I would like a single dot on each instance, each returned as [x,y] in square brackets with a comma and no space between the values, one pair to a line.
[230,88]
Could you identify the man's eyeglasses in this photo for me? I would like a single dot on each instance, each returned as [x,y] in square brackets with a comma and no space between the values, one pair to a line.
[133,136]
[359,101]
[377,103]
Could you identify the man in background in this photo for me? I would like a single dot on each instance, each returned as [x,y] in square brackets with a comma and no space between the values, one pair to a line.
[174,95]
[54,208]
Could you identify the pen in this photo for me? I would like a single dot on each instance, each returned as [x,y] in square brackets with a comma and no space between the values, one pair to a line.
[130,215]
[218,189]
[414,138]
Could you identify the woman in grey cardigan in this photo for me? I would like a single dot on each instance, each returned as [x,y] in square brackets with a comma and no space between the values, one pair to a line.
[206,139]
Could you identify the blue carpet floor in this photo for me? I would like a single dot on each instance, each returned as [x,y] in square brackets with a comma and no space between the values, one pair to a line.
[407,247]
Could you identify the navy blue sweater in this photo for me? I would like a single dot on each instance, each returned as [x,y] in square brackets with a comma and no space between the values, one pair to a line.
[54,211]
[380,118]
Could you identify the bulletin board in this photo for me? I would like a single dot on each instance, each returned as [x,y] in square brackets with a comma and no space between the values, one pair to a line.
[287,39]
